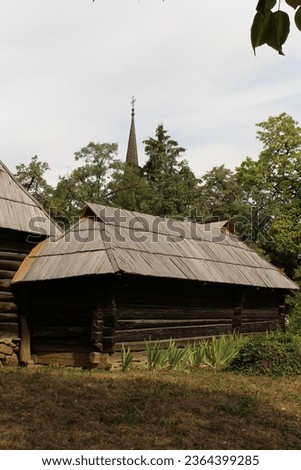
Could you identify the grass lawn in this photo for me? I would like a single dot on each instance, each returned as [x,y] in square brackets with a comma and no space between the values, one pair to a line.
[56,408]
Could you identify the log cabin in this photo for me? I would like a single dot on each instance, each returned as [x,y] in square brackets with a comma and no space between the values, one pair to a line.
[121,277]
[23,224]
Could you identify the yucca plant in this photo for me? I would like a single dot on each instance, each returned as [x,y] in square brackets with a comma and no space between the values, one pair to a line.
[196,355]
[126,358]
[156,356]
[176,357]
[221,350]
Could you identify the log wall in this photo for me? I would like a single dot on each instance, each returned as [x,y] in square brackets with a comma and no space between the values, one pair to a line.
[13,249]
[150,309]
[65,323]
[76,321]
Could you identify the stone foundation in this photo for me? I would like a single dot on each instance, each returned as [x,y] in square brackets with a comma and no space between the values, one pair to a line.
[9,350]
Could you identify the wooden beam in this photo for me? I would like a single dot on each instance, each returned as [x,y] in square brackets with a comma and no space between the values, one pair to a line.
[8,317]
[6,274]
[25,347]
[6,296]
[12,256]
[5,284]
[9,330]
[8,307]
[10,265]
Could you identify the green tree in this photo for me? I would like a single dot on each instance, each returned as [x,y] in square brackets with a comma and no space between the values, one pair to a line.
[128,188]
[271,186]
[172,183]
[87,183]
[218,194]
[31,176]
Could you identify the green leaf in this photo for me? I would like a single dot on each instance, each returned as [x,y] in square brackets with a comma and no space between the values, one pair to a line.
[298,18]
[260,29]
[280,30]
[264,6]
[293,3]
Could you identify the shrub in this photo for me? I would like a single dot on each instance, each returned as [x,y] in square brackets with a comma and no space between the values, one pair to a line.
[274,353]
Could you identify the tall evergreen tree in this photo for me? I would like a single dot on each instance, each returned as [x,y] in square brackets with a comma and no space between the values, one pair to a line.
[172,183]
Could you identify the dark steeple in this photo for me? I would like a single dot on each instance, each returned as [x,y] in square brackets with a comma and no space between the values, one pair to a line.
[132,154]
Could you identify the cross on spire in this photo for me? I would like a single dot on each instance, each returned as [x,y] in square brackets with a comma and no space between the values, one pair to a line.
[133,105]
[132,154]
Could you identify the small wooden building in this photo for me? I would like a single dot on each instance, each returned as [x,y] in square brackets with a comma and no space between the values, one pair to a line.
[23,224]
[123,277]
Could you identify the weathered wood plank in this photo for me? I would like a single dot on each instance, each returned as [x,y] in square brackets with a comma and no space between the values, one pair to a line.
[253,327]
[163,323]
[8,255]
[76,359]
[260,313]
[6,296]
[5,284]
[184,301]
[6,274]
[9,330]
[9,265]
[173,332]
[8,307]
[87,348]
[140,345]
[59,331]
[170,312]
[8,317]
[61,340]
[25,346]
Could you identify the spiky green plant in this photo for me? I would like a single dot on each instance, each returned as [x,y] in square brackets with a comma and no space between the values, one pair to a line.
[126,358]
[196,354]
[156,356]
[221,350]
[176,357]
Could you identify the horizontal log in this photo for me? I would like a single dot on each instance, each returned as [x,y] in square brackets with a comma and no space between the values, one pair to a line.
[8,307]
[9,330]
[12,256]
[254,327]
[87,348]
[6,274]
[152,312]
[62,341]
[15,246]
[75,359]
[59,331]
[162,323]
[178,300]
[140,345]
[5,285]
[260,313]
[173,332]
[6,296]
[8,317]
[10,265]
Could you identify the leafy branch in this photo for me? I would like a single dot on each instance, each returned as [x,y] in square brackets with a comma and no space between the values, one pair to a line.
[273,27]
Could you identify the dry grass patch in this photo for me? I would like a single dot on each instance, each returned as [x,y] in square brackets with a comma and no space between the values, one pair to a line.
[47,408]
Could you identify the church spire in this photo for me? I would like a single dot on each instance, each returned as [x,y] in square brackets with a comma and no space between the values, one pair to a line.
[132,154]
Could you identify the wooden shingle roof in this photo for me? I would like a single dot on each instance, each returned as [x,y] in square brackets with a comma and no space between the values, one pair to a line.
[19,210]
[108,240]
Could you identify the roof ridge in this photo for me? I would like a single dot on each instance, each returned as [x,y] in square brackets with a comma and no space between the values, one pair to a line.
[108,247]
[30,196]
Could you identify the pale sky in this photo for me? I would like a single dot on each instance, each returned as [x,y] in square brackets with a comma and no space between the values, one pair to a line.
[70,67]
